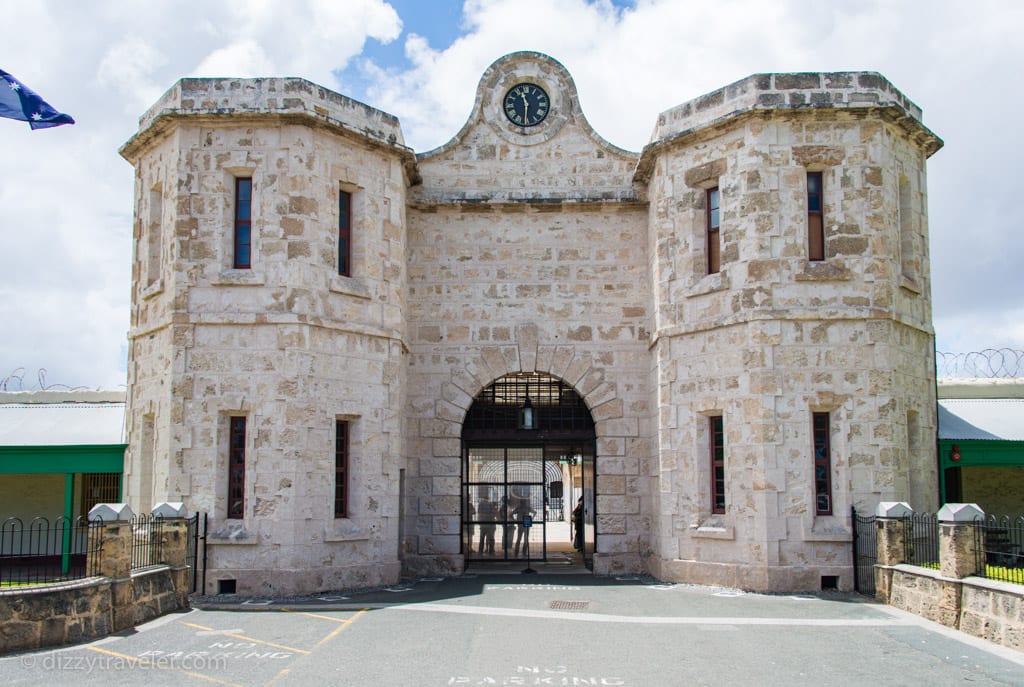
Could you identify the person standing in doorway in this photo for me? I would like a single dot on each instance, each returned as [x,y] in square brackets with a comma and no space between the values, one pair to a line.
[577,524]
[519,514]
[486,512]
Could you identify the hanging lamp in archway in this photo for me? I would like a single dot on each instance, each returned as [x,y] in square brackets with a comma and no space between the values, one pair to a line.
[533,403]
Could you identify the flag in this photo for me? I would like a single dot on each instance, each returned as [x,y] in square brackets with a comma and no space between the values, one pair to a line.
[18,101]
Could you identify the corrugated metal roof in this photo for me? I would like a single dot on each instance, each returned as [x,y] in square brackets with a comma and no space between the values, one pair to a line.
[989,419]
[61,424]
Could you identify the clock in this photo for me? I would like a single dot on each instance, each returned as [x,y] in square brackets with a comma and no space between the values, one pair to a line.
[526,104]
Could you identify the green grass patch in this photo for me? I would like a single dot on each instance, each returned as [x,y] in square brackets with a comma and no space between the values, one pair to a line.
[10,584]
[1004,574]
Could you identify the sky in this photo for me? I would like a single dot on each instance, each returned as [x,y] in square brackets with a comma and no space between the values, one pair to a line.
[66,195]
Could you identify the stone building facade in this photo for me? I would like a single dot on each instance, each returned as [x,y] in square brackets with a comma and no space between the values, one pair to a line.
[530,250]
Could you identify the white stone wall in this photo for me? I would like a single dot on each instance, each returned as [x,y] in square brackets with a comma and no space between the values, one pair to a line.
[532,249]
[774,337]
[288,344]
[528,252]
[562,292]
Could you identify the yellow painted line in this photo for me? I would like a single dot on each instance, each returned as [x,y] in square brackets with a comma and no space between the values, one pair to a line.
[339,629]
[142,661]
[342,624]
[344,621]
[248,639]
[279,676]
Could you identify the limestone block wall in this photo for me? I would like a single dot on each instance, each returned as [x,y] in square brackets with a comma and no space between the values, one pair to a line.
[773,337]
[289,344]
[532,248]
[522,287]
[527,252]
[561,159]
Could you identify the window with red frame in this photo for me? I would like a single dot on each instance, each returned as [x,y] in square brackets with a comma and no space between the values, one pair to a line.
[236,468]
[815,217]
[243,223]
[341,469]
[345,233]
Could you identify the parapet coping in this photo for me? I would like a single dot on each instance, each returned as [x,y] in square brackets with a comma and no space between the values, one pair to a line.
[63,396]
[852,92]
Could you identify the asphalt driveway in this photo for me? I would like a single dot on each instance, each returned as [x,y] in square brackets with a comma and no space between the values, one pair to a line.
[530,630]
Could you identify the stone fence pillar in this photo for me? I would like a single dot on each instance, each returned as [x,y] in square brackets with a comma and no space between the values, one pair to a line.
[115,538]
[175,546]
[116,560]
[890,517]
[958,544]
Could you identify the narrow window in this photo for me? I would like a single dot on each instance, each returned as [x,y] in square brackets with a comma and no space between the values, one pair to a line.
[717,464]
[243,223]
[155,238]
[908,254]
[236,468]
[341,469]
[822,465]
[815,218]
[713,238]
[345,233]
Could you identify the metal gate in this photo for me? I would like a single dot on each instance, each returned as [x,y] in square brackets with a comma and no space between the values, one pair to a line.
[865,553]
[196,553]
[528,457]
[504,485]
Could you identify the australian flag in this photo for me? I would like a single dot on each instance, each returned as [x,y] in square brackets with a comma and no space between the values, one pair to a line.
[18,101]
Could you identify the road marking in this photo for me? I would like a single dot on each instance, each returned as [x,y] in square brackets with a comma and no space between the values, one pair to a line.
[328,617]
[142,661]
[205,633]
[342,625]
[339,629]
[248,639]
[648,620]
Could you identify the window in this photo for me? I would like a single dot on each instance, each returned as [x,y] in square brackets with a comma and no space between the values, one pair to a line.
[815,218]
[345,233]
[717,445]
[99,487]
[154,239]
[341,469]
[243,223]
[908,252]
[822,465]
[714,244]
[236,468]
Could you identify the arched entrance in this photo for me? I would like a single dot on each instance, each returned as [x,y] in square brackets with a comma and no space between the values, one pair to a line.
[528,451]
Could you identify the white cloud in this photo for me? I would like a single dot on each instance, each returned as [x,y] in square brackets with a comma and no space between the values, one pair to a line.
[244,59]
[66,196]
[128,68]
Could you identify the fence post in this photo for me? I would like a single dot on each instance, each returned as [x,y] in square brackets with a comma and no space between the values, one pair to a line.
[958,545]
[115,548]
[175,546]
[891,542]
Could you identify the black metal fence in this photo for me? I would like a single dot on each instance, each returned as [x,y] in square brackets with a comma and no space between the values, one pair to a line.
[921,540]
[48,551]
[1000,547]
[147,541]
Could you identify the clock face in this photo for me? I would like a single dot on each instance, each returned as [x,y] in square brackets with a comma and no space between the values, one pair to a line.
[526,104]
